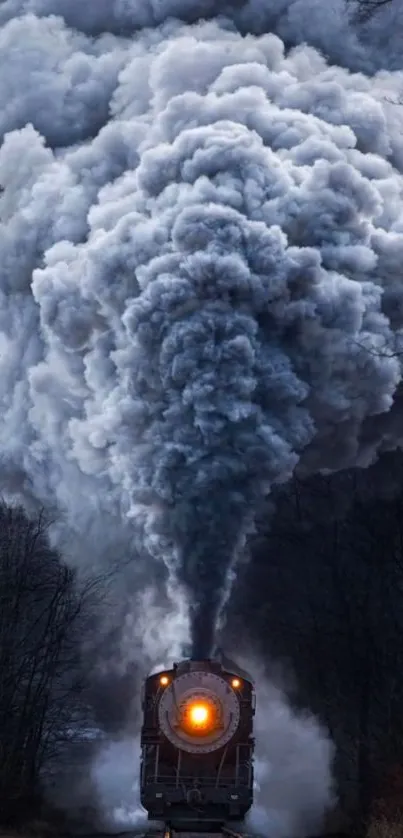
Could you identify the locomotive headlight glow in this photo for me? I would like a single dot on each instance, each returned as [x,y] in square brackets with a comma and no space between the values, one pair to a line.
[198,714]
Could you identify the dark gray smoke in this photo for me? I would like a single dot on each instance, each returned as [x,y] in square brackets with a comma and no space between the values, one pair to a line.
[201,249]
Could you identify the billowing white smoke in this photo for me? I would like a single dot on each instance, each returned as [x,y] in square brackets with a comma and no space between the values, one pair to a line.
[374,44]
[201,290]
[116,781]
[293,767]
[153,634]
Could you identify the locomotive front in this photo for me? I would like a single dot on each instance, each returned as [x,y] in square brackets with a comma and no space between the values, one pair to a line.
[197,745]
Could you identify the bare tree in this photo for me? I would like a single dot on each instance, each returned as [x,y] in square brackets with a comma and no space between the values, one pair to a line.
[43,611]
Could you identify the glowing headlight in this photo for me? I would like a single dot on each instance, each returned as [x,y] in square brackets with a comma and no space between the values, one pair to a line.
[198,717]
[198,714]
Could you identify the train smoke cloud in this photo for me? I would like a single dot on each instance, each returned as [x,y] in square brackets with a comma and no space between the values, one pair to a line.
[201,246]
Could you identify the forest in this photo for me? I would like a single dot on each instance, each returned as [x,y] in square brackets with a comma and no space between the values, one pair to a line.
[44,711]
[324,592]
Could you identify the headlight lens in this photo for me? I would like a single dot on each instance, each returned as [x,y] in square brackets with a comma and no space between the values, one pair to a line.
[199,717]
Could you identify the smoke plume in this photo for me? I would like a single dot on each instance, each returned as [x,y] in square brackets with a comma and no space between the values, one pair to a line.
[201,241]
[293,767]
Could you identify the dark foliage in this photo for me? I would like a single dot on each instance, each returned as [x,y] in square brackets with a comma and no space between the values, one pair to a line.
[43,612]
[324,591]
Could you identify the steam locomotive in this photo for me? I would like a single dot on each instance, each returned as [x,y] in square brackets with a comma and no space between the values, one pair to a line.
[197,745]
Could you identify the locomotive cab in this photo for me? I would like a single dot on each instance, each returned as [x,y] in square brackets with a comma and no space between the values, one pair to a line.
[197,745]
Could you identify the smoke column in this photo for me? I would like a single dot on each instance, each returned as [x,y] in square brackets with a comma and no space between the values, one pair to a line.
[201,246]
[293,766]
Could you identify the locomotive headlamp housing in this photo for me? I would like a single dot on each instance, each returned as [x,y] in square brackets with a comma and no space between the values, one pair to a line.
[198,711]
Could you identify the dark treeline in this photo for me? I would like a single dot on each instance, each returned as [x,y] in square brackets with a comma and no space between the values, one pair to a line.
[44,612]
[324,594]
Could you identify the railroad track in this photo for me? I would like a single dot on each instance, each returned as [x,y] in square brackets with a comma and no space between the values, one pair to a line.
[224,832]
